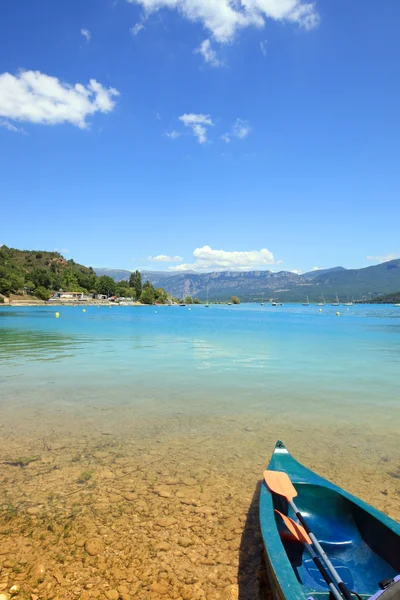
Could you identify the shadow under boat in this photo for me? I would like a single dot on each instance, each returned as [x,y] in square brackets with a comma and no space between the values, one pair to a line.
[252,575]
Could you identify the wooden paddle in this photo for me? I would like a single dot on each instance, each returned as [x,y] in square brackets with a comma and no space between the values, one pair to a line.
[279,483]
[302,536]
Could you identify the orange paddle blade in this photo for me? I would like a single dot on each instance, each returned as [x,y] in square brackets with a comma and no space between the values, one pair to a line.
[279,483]
[295,529]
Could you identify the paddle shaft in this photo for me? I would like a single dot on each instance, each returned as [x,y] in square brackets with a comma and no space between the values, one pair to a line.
[323,572]
[339,581]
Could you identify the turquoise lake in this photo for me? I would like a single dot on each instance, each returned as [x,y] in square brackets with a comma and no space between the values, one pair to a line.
[144,423]
[245,356]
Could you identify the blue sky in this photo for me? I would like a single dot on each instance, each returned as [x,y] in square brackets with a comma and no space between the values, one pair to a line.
[217,136]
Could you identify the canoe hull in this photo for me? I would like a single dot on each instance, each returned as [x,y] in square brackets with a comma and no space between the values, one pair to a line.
[363,543]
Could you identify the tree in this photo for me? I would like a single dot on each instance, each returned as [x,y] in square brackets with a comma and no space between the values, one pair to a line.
[196,301]
[106,285]
[235,300]
[188,300]
[122,289]
[161,296]
[10,283]
[42,277]
[148,296]
[135,282]
[41,293]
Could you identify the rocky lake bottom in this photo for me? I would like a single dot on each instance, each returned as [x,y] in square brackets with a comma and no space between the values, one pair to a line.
[105,503]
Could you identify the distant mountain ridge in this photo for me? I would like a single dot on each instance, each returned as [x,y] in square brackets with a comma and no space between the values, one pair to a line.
[362,284]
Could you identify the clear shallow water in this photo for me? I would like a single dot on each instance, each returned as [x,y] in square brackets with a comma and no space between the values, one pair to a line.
[173,413]
[289,351]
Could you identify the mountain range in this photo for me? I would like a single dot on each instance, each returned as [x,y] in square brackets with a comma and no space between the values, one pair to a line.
[360,284]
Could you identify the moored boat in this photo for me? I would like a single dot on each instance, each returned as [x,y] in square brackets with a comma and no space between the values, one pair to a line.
[362,543]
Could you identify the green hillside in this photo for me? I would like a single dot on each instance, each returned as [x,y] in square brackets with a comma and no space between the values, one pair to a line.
[387,299]
[42,273]
[37,270]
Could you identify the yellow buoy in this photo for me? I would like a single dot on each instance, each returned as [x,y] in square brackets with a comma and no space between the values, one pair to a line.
[83,309]
[320,310]
[338,314]
[57,315]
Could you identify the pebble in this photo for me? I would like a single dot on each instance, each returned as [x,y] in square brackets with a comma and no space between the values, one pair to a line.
[231,593]
[100,453]
[58,577]
[39,571]
[94,547]
[165,521]
[163,547]
[189,481]
[162,492]
[170,481]
[205,510]
[34,510]
[224,559]
[185,542]
[14,589]
[113,498]
[129,496]
[4,596]
[111,594]
[123,589]
[159,588]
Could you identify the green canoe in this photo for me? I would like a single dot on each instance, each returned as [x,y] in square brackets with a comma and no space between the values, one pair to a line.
[362,543]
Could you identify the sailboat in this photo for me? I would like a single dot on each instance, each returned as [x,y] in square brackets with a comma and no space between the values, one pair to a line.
[321,303]
[207,304]
[262,300]
[306,303]
[337,303]
[349,302]
[276,303]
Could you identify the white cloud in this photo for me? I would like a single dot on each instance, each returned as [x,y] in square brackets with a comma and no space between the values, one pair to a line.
[198,123]
[7,125]
[172,135]
[86,34]
[263,47]
[209,55]
[165,258]
[38,98]
[207,259]
[316,268]
[240,129]
[223,18]
[136,28]
[61,250]
[296,272]
[383,258]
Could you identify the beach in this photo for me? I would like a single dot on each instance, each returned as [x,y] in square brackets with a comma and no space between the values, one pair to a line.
[133,447]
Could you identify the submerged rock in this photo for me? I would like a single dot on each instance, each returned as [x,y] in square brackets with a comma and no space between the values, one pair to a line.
[165,521]
[94,547]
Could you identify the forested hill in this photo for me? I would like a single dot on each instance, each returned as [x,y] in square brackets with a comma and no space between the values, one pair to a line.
[37,270]
[387,299]
[40,274]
